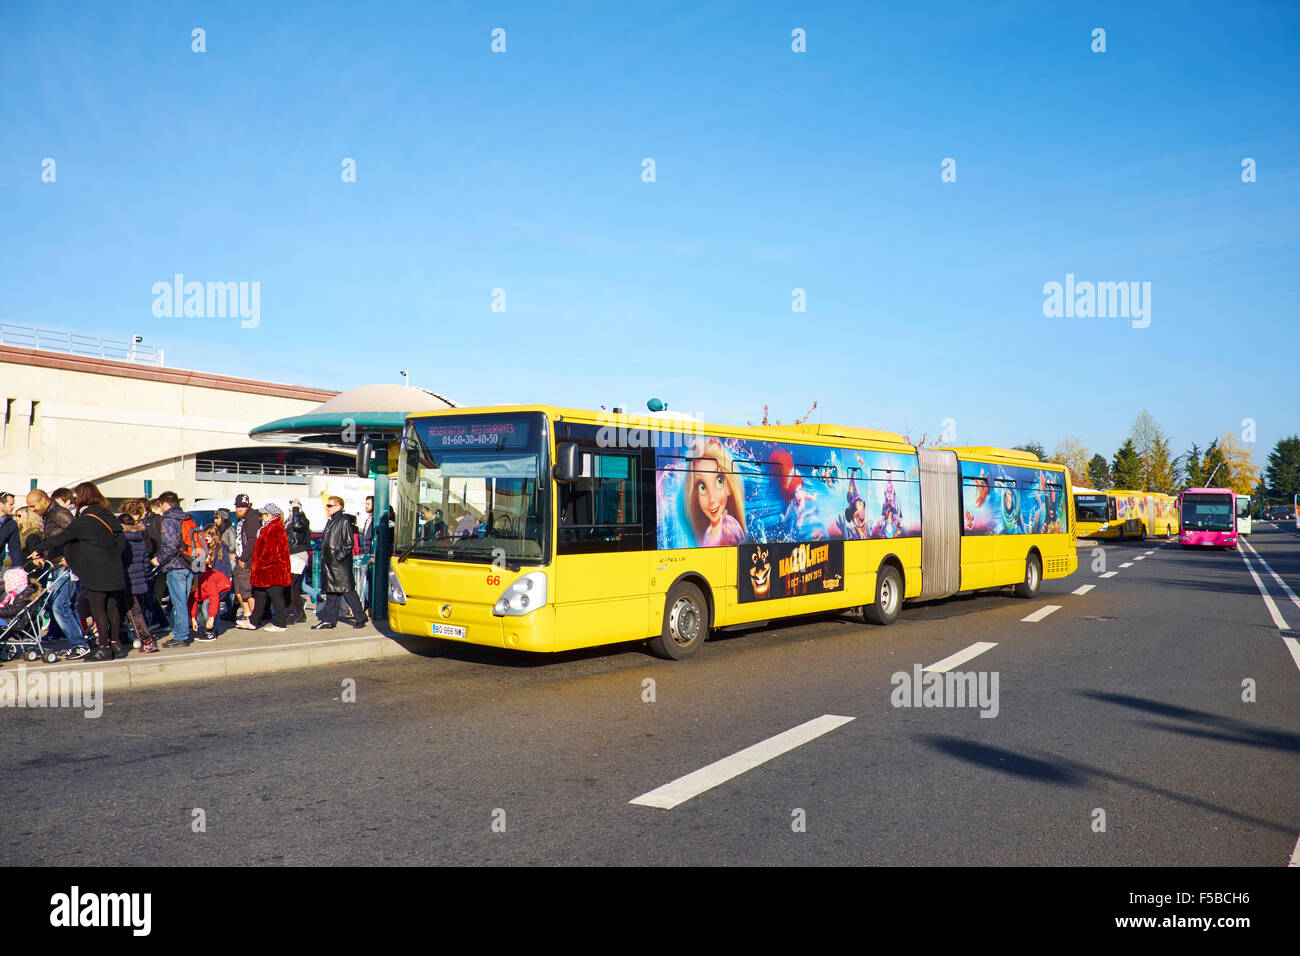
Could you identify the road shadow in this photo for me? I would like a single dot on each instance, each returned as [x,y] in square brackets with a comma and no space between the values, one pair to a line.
[1052,769]
[1214,726]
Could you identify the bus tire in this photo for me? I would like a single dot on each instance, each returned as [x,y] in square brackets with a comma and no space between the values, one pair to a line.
[1142,532]
[686,623]
[889,597]
[1033,577]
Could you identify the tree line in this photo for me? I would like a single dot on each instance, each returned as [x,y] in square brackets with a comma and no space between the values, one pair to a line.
[1146,462]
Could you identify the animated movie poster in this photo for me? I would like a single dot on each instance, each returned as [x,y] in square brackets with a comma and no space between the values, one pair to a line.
[779,570]
[729,491]
[1009,499]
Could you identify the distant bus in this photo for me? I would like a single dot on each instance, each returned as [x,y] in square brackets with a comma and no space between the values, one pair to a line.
[1243,514]
[1119,514]
[1207,518]
[537,528]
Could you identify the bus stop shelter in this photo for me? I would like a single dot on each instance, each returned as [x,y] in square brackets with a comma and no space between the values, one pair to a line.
[370,412]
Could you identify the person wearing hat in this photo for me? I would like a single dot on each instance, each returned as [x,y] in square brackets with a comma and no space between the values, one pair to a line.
[176,567]
[299,531]
[247,527]
[269,574]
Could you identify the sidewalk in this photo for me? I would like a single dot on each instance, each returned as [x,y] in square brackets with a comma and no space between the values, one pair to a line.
[236,653]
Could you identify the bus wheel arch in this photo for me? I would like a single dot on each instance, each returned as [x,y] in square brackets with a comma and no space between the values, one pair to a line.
[887,602]
[1033,579]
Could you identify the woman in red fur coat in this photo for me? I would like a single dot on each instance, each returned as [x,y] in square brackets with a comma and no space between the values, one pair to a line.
[270,572]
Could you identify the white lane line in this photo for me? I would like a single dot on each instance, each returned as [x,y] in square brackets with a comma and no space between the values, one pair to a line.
[1041,613]
[1295,855]
[1145,553]
[961,657]
[1289,593]
[1139,557]
[1083,590]
[1293,646]
[1278,620]
[706,778]
[1127,564]
[1108,574]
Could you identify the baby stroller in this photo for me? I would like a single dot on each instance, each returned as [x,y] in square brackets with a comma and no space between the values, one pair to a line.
[25,616]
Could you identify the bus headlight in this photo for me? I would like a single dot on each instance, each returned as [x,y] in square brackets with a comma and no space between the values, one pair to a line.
[396,594]
[525,595]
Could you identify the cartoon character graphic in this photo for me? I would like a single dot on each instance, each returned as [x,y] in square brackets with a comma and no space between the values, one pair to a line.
[890,524]
[855,523]
[714,495]
[800,516]
[970,521]
[760,575]
[1010,509]
[982,488]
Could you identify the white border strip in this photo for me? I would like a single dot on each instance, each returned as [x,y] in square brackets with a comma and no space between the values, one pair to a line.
[706,778]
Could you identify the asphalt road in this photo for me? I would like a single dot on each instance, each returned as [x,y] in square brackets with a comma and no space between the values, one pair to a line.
[1127,700]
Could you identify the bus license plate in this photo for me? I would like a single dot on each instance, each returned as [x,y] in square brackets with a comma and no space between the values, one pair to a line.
[448,630]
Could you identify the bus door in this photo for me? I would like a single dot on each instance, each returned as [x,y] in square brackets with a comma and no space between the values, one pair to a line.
[601,575]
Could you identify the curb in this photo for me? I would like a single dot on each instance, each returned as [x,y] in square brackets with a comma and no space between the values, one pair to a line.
[130,674]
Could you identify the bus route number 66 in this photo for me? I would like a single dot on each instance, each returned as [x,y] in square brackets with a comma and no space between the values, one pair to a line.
[494,579]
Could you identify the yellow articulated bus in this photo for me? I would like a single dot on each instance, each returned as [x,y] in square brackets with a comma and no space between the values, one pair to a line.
[546,529]
[1119,514]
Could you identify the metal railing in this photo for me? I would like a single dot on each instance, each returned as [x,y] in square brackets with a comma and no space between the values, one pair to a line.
[212,469]
[123,350]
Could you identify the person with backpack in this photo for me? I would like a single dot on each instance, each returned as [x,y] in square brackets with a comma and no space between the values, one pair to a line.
[299,531]
[93,545]
[181,544]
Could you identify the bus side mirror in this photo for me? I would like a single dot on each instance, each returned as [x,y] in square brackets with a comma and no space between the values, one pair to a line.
[365,451]
[566,462]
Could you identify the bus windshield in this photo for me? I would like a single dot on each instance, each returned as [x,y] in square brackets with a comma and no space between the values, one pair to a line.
[473,488]
[1090,507]
[1208,512]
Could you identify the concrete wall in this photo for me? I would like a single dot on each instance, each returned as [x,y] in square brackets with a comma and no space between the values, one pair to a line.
[68,419]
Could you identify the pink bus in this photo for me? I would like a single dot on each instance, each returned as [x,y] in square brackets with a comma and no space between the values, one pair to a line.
[1207,518]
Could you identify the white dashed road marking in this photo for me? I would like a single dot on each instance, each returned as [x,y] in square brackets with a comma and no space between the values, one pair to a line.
[961,657]
[1127,564]
[1041,613]
[706,778]
[1108,574]
[1083,590]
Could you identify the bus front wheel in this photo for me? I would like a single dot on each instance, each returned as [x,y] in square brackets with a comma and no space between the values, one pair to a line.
[889,597]
[686,623]
[1033,577]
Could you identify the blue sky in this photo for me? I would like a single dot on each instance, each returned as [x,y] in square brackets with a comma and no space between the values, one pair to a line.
[775,170]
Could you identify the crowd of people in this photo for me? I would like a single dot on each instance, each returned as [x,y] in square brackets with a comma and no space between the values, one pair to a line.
[103,569]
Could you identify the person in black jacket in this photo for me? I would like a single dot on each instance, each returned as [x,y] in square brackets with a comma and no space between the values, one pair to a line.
[336,581]
[93,546]
[299,530]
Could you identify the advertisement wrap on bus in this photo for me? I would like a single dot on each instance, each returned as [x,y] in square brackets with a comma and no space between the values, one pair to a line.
[1208,518]
[546,529]
[1119,514]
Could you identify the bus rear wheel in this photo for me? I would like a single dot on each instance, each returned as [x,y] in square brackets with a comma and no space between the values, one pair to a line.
[889,597]
[686,623]
[1033,577]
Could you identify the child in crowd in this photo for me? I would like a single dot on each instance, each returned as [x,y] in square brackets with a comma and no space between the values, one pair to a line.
[210,585]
